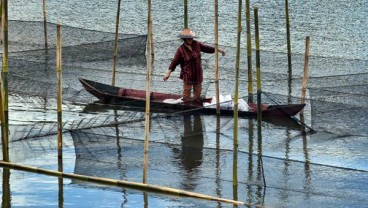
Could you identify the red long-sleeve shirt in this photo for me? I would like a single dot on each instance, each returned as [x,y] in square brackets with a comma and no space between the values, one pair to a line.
[190,61]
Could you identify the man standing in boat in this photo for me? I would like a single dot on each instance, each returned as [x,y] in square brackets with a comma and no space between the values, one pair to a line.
[188,55]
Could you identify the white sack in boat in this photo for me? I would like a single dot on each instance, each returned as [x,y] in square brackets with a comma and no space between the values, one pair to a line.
[173,101]
[227,103]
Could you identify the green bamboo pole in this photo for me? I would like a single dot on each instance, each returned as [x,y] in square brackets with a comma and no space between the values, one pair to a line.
[216,61]
[305,74]
[60,90]
[185,13]
[116,43]
[249,53]
[288,35]
[288,49]
[121,183]
[236,96]
[148,94]
[6,195]
[45,24]
[5,72]
[258,66]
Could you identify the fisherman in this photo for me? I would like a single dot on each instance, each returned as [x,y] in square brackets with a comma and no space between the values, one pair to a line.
[188,55]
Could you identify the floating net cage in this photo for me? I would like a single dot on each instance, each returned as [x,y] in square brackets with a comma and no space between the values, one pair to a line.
[336,105]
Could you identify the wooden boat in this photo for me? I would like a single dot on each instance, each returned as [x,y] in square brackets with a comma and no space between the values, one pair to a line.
[137,98]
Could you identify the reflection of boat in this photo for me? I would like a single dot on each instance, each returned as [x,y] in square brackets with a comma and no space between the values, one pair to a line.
[131,97]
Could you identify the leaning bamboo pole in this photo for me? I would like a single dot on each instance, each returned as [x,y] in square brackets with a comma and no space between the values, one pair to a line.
[249,53]
[121,183]
[116,43]
[305,74]
[59,90]
[236,94]
[185,13]
[148,93]
[5,73]
[216,61]
[258,66]
[45,24]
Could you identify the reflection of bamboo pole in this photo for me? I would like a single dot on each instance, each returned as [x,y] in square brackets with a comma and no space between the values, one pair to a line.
[45,24]
[258,66]
[61,183]
[5,72]
[249,53]
[59,90]
[216,61]
[185,13]
[148,93]
[6,195]
[305,74]
[116,43]
[107,181]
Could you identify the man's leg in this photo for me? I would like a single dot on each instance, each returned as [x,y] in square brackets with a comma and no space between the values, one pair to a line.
[197,90]
[187,89]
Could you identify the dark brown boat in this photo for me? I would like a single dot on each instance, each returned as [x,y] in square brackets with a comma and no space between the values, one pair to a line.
[137,98]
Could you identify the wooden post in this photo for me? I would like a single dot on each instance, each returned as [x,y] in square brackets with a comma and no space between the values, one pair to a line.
[45,24]
[249,53]
[5,72]
[59,90]
[185,13]
[236,96]
[148,93]
[258,66]
[116,43]
[305,74]
[216,61]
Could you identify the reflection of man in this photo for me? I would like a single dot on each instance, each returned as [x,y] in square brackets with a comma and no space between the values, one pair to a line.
[191,153]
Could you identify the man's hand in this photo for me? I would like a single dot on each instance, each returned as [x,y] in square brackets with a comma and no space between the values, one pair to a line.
[167,75]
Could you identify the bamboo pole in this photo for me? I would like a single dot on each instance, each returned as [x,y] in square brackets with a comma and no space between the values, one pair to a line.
[216,61]
[249,53]
[5,72]
[236,96]
[288,36]
[305,74]
[6,193]
[148,93]
[116,43]
[60,90]
[45,24]
[258,66]
[288,49]
[185,13]
[121,183]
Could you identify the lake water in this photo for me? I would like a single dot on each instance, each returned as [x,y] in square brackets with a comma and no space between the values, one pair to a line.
[327,168]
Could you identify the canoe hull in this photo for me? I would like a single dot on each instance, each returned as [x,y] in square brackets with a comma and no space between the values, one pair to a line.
[130,97]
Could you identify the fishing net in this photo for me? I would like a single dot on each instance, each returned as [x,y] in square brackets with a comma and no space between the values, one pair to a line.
[336,109]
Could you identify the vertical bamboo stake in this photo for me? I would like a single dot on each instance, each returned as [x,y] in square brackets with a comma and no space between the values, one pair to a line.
[288,36]
[185,13]
[249,53]
[288,49]
[148,94]
[5,72]
[45,24]
[116,43]
[236,96]
[60,90]
[305,74]
[216,61]
[258,66]
[60,183]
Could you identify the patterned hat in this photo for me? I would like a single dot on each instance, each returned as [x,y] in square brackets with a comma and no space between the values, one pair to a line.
[187,33]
